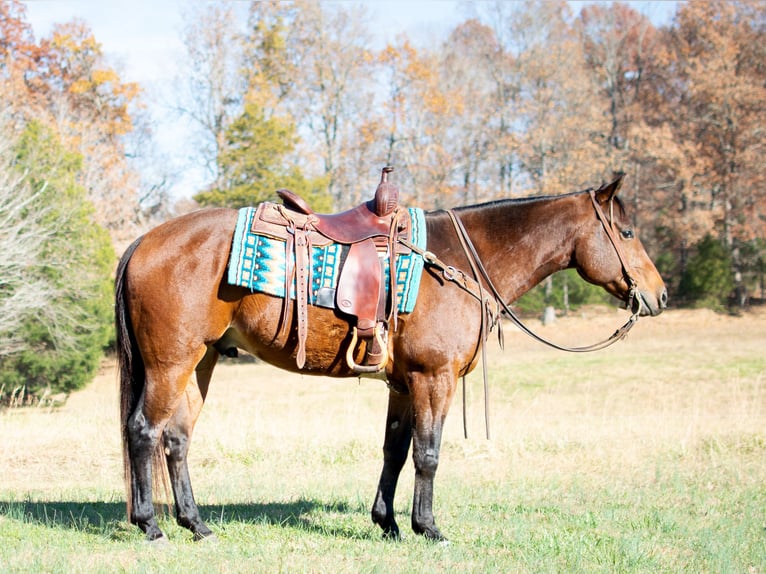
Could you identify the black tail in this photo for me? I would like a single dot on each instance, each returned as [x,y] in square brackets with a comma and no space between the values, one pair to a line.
[131,366]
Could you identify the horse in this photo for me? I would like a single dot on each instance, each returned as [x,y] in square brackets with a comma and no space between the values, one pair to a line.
[176,313]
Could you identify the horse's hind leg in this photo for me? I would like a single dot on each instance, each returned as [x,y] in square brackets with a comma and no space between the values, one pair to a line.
[395,448]
[177,439]
[162,393]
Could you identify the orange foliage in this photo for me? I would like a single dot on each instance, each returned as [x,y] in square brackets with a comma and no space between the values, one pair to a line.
[64,82]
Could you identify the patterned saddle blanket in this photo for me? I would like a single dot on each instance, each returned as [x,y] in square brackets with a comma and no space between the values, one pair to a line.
[258,262]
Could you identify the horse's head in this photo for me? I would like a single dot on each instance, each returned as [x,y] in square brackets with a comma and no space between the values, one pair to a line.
[609,253]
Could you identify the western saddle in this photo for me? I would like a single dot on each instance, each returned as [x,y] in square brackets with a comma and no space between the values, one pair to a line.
[370,232]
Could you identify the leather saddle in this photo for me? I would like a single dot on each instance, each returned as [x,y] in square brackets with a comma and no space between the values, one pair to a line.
[370,231]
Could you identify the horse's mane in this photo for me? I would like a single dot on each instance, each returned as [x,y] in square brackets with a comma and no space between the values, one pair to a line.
[519,201]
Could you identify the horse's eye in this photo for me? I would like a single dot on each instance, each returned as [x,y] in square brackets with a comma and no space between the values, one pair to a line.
[627,234]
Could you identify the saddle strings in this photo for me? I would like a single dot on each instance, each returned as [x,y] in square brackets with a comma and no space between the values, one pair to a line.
[482,330]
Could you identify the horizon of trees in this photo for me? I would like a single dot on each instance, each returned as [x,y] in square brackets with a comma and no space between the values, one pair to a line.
[519,98]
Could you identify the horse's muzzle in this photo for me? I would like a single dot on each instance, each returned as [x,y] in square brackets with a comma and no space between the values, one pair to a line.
[645,303]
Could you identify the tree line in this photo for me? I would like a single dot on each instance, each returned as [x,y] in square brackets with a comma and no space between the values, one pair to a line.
[519,98]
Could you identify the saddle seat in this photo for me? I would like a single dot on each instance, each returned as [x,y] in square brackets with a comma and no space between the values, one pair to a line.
[365,221]
[371,231]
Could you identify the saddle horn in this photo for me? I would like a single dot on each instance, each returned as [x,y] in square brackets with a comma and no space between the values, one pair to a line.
[386,194]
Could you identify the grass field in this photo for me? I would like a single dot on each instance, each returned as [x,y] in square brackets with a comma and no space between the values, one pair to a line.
[649,456]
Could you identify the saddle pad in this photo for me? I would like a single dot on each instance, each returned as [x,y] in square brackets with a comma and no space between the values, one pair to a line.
[257,262]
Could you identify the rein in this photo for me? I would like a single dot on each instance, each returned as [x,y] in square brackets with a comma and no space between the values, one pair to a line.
[633,302]
[489,319]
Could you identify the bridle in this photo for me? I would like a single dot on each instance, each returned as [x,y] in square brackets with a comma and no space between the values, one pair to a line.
[489,318]
[633,301]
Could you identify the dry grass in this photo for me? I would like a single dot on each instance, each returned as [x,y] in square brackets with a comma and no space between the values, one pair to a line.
[690,383]
[675,413]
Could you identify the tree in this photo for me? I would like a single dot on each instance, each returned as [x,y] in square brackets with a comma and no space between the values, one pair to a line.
[65,82]
[414,126]
[721,99]
[90,107]
[23,232]
[251,164]
[213,79]
[56,345]
[317,63]
[560,113]
[470,67]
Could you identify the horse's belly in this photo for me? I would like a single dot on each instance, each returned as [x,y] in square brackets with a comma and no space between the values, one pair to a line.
[258,329]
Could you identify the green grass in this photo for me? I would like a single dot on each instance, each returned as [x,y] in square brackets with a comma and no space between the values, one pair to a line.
[676,524]
[648,457]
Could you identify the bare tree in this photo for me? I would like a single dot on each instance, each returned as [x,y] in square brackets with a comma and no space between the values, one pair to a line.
[315,58]
[213,81]
[23,233]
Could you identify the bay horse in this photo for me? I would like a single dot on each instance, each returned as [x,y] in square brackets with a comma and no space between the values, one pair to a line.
[175,314]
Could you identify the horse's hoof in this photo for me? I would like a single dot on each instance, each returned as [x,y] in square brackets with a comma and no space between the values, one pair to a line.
[160,542]
[392,536]
[206,539]
[432,534]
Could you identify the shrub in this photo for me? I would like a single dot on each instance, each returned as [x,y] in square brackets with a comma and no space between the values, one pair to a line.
[708,280]
[59,339]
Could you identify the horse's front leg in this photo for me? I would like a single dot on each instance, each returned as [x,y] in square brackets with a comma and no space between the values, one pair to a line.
[177,439]
[431,400]
[395,448]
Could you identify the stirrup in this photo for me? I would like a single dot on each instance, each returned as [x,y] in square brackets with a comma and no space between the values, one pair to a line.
[363,369]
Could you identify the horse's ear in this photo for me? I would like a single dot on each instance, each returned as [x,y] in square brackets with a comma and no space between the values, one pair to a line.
[609,191]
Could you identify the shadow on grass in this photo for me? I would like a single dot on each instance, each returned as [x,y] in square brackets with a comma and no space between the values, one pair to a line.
[109,519]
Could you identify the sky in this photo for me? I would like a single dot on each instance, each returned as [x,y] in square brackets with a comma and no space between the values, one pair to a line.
[141,39]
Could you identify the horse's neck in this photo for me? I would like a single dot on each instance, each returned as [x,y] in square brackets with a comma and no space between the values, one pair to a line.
[521,243]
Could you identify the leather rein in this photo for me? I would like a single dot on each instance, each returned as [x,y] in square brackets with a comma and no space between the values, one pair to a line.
[490,318]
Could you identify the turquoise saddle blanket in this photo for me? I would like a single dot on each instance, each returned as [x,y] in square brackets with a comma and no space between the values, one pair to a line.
[258,263]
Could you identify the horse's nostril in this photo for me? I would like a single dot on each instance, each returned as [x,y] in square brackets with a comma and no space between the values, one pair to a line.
[664,298]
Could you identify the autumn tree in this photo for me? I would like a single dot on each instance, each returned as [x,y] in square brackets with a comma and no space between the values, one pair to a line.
[721,108]
[66,180]
[65,82]
[519,98]
[18,52]
[469,73]
[320,67]
[560,115]
[415,121]
[213,84]
[628,59]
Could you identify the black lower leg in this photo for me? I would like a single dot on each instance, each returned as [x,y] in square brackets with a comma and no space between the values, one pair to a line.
[142,442]
[187,512]
[426,459]
[395,448]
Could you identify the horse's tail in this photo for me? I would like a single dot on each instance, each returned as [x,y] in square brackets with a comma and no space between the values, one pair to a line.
[132,377]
